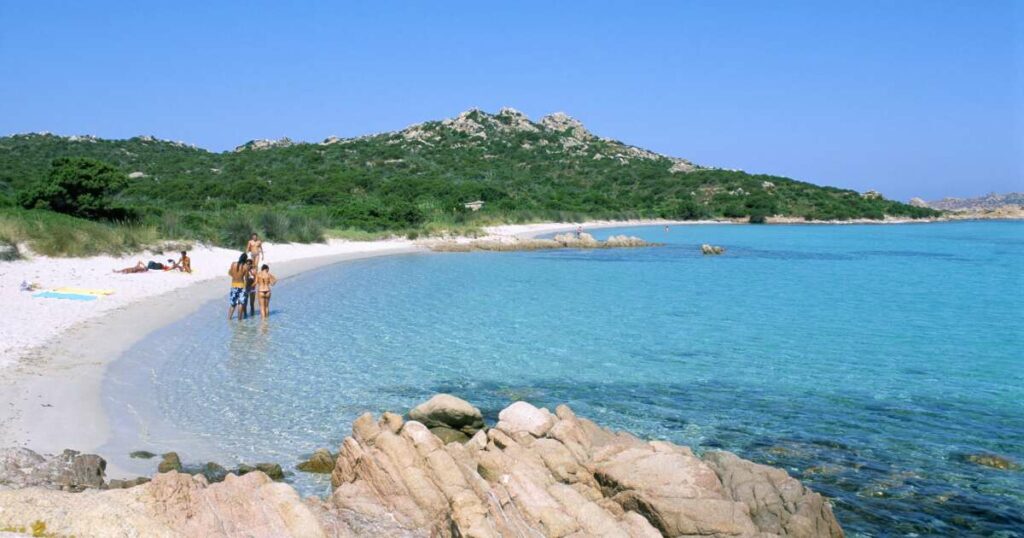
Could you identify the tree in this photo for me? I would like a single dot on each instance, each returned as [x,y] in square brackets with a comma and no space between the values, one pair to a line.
[81,187]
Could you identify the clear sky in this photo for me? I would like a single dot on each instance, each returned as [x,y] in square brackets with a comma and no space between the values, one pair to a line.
[910,98]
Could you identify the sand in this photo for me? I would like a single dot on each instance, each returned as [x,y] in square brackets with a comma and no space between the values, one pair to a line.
[54,353]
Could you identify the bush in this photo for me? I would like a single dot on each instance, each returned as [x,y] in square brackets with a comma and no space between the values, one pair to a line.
[53,234]
[79,187]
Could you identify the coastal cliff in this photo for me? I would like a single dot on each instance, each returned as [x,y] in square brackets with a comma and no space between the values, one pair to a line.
[535,473]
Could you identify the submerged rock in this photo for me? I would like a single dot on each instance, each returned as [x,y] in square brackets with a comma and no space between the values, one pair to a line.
[994,461]
[447,411]
[142,454]
[322,461]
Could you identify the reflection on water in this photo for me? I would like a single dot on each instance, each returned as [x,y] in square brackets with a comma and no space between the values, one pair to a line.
[868,361]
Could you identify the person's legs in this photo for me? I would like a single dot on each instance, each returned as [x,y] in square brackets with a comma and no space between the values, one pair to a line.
[265,305]
[252,302]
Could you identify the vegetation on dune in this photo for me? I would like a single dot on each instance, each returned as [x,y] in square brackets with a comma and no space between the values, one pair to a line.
[411,182]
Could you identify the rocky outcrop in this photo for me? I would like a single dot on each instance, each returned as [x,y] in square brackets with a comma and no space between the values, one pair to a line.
[536,473]
[539,473]
[918,202]
[566,240]
[68,471]
[711,250]
[172,504]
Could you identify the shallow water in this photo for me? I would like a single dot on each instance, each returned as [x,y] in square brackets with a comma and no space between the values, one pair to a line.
[865,360]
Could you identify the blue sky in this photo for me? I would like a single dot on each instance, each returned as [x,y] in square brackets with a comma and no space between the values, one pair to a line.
[910,98]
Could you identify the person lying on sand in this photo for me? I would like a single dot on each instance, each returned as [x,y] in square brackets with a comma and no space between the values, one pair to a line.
[185,263]
[264,280]
[236,297]
[139,268]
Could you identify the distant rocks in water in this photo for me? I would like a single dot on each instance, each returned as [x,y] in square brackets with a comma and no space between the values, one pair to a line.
[142,454]
[711,250]
[566,240]
[994,461]
[322,461]
[536,473]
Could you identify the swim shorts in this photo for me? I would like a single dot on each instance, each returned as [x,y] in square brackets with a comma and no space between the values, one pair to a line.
[237,296]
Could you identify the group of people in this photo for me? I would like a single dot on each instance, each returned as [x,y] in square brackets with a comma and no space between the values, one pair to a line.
[250,282]
[183,264]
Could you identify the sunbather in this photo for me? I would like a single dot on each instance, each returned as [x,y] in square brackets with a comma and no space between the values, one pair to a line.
[139,268]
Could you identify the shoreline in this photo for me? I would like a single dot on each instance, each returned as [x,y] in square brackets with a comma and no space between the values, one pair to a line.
[53,392]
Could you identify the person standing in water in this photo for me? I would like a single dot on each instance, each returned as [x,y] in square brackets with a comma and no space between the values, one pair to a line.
[250,289]
[264,280]
[236,297]
[255,250]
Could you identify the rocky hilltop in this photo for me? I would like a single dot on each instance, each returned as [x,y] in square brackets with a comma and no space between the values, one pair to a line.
[477,167]
[534,473]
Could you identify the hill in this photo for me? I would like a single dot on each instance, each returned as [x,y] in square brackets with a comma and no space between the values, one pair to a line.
[420,178]
[987,202]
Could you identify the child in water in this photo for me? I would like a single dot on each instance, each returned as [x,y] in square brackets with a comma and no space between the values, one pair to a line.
[264,280]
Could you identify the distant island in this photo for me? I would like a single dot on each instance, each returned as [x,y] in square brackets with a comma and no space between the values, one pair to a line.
[992,205]
[448,176]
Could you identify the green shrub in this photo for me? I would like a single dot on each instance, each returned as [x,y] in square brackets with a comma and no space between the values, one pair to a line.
[80,187]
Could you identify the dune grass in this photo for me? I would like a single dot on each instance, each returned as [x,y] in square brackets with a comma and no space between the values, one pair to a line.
[54,234]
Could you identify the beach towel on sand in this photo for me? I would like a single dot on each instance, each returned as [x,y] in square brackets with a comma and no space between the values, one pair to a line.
[69,296]
[83,291]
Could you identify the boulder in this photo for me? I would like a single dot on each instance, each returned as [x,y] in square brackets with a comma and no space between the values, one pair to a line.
[214,472]
[322,461]
[523,417]
[170,462]
[445,410]
[273,470]
[69,470]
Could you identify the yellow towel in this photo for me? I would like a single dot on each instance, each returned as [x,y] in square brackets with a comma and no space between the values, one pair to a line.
[83,291]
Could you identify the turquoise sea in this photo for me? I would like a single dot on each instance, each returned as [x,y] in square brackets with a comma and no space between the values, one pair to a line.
[868,361]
